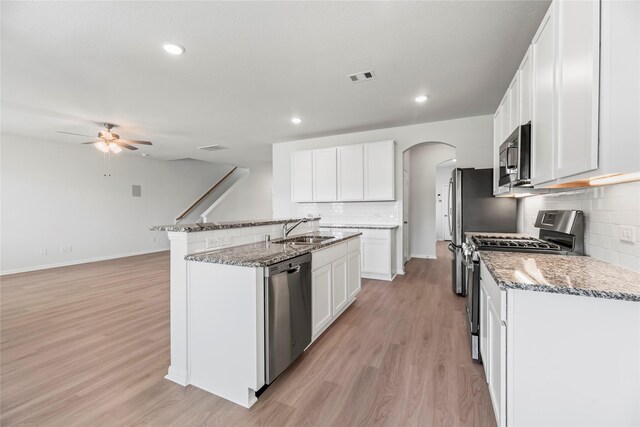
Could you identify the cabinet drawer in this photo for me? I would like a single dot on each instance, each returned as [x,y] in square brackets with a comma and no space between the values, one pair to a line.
[374,234]
[497,296]
[353,244]
[328,255]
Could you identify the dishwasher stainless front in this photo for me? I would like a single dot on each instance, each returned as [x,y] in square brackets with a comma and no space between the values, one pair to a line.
[287,313]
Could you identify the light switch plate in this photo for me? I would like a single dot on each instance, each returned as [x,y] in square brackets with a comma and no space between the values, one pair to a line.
[627,234]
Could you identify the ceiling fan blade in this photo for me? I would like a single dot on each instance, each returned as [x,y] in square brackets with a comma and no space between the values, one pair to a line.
[133,141]
[124,145]
[72,133]
[91,142]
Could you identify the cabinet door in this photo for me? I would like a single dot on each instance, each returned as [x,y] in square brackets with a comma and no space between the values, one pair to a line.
[497,333]
[497,133]
[379,167]
[339,279]
[578,85]
[324,175]
[353,268]
[376,256]
[321,303]
[350,173]
[544,82]
[506,117]
[526,77]
[302,176]
[514,104]
[484,350]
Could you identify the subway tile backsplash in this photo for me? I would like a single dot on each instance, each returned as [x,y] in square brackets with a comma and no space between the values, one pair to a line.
[352,212]
[606,210]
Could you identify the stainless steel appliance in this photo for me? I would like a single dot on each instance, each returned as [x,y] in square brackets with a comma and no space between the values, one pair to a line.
[515,158]
[561,232]
[472,207]
[287,313]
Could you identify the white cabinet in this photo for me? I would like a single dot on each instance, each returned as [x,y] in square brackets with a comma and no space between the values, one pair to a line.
[321,303]
[339,280]
[499,136]
[375,255]
[526,75]
[353,269]
[496,340]
[350,173]
[484,321]
[335,280]
[379,170]
[346,173]
[578,45]
[514,105]
[302,176]
[324,175]
[544,115]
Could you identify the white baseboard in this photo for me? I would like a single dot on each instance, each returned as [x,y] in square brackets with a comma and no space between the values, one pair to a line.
[81,261]
[423,256]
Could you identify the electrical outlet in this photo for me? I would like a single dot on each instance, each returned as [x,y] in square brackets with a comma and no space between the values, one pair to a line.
[212,243]
[62,249]
[627,234]
[225,241]
[43,251]
[153,239]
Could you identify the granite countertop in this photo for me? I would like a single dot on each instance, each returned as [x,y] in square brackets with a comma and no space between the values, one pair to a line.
[262,254]
[573,275]
[207,226]
[362,226]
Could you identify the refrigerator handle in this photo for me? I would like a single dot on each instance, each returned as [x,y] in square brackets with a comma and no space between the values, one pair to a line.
[449,207]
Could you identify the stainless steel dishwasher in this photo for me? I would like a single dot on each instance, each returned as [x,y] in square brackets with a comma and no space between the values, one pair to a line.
[287,313]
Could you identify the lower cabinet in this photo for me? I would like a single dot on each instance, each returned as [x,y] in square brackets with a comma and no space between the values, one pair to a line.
[335,281]
[321,303]
[548,357]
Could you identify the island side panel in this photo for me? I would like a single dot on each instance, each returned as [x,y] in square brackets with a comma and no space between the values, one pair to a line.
[226,330]
[178,309]
[574,360]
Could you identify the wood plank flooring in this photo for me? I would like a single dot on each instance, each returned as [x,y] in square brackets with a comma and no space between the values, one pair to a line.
[89,345]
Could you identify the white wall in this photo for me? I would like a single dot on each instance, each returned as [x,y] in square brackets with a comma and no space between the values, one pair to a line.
[472,137]
[606,210]
[443,174]
[55,195]
[424,160]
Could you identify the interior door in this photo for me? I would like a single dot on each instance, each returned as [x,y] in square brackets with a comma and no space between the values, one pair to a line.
[405,217]
[446,231]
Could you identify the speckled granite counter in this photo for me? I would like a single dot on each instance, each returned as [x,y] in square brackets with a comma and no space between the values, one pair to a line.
[574,275]
[207,226]
[361,226]
[263,254]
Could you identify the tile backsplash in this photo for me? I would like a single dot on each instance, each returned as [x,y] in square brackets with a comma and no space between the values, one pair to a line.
[606,210]
[352,212]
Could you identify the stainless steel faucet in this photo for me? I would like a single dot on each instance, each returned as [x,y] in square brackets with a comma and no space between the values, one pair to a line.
[286,231]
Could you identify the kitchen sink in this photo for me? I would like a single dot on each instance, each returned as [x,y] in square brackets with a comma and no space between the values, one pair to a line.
[313,240]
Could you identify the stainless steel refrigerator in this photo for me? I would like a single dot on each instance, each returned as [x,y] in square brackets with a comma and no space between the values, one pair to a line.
[472,207]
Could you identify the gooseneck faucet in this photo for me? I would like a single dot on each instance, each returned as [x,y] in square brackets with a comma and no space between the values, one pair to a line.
[286,231]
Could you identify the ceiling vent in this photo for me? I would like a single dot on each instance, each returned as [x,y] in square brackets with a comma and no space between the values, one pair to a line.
[362,76]
[214,147]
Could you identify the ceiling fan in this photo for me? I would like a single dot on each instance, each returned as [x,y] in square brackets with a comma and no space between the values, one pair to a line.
[108,141]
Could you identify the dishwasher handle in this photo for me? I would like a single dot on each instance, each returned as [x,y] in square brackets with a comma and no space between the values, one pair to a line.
[293,270]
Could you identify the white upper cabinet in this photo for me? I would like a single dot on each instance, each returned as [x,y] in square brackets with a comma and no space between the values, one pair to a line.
[324,175]
[351,173]
[379,170]
[514,104]
[544,87]
[525,78]
[302,176]
[578,74]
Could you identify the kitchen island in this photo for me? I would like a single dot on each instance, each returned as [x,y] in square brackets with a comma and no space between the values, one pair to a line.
[560,339]
[218,297]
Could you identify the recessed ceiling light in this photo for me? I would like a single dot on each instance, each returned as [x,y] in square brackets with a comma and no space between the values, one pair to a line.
[145,154]
[172,48]
[421,98]
[296,120]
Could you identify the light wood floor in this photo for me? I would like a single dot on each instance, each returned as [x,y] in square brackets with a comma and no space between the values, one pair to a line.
[89,345]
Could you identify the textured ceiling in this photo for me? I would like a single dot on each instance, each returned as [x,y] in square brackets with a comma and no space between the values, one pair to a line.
[250,66]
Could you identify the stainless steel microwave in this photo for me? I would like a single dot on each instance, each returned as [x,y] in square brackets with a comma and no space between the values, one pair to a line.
[515,158]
